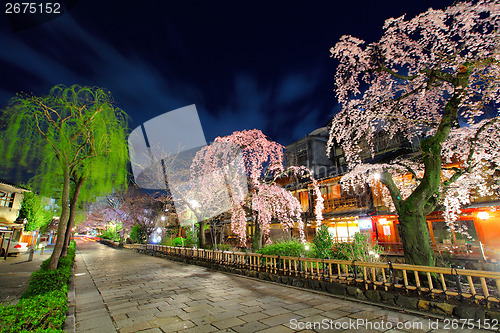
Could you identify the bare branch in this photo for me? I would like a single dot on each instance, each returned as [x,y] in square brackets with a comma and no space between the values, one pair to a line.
[58,152]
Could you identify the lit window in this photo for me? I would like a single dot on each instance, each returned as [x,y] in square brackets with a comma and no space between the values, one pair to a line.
[6,199]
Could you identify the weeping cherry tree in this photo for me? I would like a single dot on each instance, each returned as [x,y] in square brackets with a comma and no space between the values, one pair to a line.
[436,79]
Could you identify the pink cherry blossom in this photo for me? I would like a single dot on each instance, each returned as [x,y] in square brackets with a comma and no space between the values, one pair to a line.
[405,82]
[262,162]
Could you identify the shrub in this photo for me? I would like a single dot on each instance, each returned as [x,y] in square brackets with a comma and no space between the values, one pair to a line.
[44,281]
[360,249]
[323,243]
[179,241]
[292,248]
[222,247]
[111,234]
[40,313]
[167,241]
[340,251]
[43,306]
[190,239]
[138,234]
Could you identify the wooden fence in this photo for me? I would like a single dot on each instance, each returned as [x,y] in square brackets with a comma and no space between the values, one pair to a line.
[477,286]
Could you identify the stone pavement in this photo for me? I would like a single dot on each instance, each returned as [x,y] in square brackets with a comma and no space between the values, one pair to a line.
[121,290]
[15,274]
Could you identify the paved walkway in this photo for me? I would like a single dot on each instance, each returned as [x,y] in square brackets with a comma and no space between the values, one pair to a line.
[142,293]
[15,274]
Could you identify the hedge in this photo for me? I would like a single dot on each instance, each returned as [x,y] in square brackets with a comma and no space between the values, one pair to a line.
[42,308]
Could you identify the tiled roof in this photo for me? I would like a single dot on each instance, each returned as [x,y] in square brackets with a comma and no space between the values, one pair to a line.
[13,185]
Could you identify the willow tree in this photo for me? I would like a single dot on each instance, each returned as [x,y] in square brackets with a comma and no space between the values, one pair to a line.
[102,174]
[76,136]
[430,78]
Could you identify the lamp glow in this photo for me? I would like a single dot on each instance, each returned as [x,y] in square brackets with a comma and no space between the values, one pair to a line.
[365,223]
[483,215]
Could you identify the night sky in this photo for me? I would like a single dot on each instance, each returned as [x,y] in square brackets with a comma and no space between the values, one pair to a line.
[245,64]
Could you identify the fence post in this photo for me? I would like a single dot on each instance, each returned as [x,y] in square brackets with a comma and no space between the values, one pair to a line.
[454,272]
[393,278]
[300,267]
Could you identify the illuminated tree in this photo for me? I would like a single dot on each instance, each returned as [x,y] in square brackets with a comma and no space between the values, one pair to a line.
[136,207]
[33,209]
[73,134]
[131,207]
[251,154]
[430,78]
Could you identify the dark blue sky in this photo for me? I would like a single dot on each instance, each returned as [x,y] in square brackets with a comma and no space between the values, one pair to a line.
[245,64]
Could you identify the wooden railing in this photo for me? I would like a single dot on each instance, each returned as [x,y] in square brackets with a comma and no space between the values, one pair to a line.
[477,286]
[461,251]
[341,203]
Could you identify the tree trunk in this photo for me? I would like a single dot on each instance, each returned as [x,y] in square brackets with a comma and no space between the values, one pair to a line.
[222,234]
[415,236]
[201,234]
[257,237]
[422,201]
[122,237]
[72,213]
[63,220]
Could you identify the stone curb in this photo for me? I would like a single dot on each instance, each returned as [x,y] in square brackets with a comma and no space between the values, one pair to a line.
[70,323]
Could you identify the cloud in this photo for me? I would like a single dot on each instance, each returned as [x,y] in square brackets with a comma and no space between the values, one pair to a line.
[296,87]
[137,85]
[63,51]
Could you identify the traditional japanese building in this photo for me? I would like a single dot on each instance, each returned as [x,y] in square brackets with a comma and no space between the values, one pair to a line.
[345,212]
[363,210]
[11,197]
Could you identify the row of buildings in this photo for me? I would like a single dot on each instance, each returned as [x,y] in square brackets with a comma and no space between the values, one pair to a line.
[347,213]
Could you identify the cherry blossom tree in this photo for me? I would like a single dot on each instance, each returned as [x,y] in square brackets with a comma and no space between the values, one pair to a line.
[131,207]
[262,199]
[435,78]
[94,217]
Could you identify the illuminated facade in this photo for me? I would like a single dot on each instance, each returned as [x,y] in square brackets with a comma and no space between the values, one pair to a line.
[362,209]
